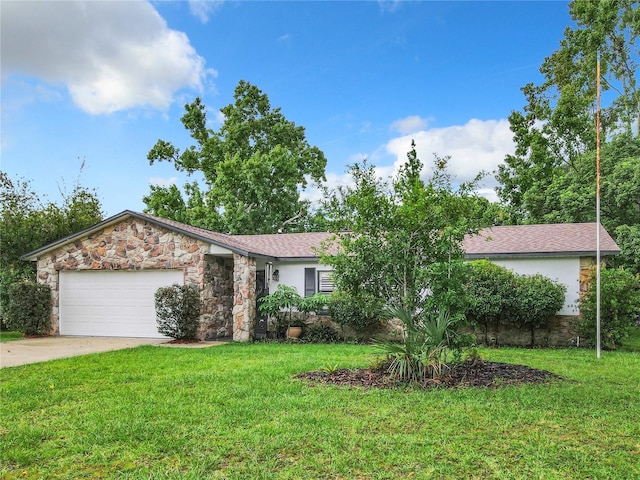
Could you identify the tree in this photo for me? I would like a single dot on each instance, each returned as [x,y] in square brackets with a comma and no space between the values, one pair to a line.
[254,168]
[619,306]
[571,197]
[27,222]
[401,243]
[557,124]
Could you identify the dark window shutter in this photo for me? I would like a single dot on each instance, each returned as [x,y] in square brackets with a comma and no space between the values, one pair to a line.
[309,281]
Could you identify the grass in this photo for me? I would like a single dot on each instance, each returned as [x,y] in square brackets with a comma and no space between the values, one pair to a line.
[632,343]
[234,412]
[6,336]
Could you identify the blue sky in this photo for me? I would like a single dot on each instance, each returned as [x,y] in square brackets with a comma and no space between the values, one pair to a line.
[101,82]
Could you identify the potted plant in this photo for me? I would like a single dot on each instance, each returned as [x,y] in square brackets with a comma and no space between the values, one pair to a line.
[280,306]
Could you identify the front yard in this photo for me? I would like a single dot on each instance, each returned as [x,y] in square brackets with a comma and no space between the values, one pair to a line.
[235,411]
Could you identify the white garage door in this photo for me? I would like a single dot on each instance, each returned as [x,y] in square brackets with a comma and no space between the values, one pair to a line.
[112,303]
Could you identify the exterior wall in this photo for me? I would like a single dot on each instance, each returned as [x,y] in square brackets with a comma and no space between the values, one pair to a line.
[561,331]
[565,270]
[129,245]
[244,292]
[292,274]
[217,297]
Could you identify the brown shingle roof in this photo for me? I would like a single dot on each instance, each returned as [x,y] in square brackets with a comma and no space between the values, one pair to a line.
[286,245]
[573,239]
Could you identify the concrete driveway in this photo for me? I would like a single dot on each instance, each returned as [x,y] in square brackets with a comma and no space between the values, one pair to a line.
[33,350]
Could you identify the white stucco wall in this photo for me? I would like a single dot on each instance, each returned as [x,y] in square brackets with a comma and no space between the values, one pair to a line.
[292,274]
[565,270]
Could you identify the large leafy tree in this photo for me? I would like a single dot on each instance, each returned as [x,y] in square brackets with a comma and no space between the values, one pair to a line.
[398,237]
[254,168]
[557,124]
[571,196]
[27,222]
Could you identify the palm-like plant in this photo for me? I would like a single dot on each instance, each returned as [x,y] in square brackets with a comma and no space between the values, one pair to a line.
[422,354]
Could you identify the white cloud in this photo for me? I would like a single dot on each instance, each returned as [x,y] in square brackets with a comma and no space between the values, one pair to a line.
[109,55]
[163,182]
[202,9]
[408,125]
[475,146]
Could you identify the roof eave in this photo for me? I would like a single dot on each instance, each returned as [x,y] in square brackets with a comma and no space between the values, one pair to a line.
[590,253]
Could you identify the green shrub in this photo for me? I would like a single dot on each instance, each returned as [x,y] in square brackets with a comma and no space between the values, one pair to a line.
[362,313]
[492,298]
[428,340]
[280,306]
[178,311]
[321,334]
[538,300]
[8,276]
[499,296]
[28,309]
[619,306]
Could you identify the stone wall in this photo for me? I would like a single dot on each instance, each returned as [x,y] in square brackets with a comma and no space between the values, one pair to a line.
[244,292]
[561,331]
[134,244]
[218,297]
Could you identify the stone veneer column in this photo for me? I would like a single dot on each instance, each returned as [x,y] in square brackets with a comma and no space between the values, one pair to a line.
[244,291]
[587,265]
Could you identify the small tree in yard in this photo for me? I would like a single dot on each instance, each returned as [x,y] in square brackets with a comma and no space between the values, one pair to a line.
[178,311]
[28,308]
[619,306]
[401,242]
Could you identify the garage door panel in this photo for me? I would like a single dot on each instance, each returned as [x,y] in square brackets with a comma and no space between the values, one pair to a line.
[108,303]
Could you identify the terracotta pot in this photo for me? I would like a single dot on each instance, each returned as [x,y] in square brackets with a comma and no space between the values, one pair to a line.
[294,332]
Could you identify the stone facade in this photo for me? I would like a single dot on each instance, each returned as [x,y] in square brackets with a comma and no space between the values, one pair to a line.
[244,292]
[133,244]
[561,331]
[217,297]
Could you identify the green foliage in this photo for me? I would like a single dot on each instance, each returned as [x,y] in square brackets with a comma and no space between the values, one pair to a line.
[428,339]
[538,299]
[619,306]
[499,296]
[254,166]
[556,125]
[178,311]
[313,304]
[396,239]
[27,222]
[280,306]
[28,308]
[491,290]
[321,334]
[362,312]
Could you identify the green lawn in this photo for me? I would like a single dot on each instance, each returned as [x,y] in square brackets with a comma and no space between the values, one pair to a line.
[632,344]
[6,336]
[234,412]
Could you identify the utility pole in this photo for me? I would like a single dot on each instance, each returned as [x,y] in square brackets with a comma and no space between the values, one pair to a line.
[598,344]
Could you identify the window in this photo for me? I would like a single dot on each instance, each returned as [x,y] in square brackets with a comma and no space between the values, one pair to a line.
[318,282]
[325,282]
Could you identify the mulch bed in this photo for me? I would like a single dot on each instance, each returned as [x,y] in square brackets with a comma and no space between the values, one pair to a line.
[472,373]
[181,342]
